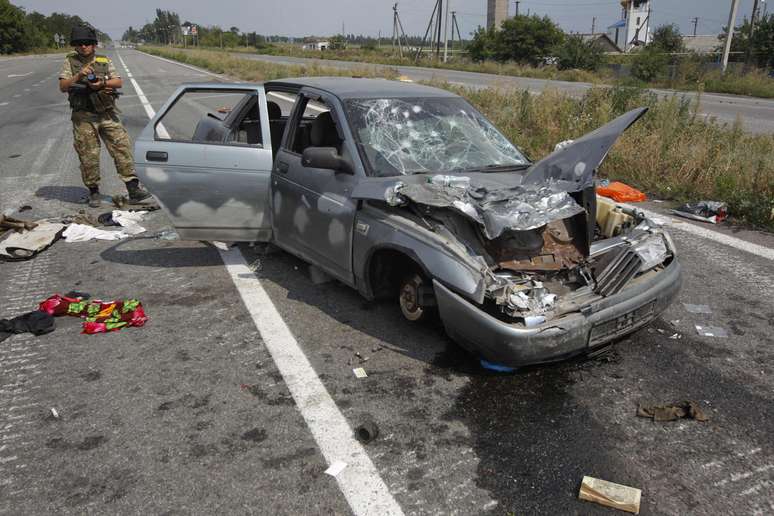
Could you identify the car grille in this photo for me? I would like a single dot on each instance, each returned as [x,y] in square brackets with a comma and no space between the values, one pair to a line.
[622,268]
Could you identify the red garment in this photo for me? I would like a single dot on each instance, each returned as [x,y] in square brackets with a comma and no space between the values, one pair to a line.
[101,316]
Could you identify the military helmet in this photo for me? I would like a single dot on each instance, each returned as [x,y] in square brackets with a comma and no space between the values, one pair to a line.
[83,32]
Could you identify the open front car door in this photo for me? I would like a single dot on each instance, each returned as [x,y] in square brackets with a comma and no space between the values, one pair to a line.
[207,157]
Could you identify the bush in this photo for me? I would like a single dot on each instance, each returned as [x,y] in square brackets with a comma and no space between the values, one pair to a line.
[578,54]
[523,39]
[667,38]
[649,64]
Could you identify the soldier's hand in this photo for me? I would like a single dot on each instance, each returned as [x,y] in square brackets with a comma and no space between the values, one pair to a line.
[86,70]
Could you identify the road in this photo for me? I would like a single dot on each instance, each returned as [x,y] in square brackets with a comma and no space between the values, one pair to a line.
[755,114]
[198,412]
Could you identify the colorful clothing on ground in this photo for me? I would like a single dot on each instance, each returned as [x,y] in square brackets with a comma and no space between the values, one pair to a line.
[101,316]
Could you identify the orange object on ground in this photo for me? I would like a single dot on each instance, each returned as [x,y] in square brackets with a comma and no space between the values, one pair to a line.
[621,192]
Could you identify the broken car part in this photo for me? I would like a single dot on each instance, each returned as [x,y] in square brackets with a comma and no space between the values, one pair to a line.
[366,432]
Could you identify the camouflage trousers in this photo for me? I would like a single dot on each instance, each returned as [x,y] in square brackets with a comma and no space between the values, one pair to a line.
[88,129]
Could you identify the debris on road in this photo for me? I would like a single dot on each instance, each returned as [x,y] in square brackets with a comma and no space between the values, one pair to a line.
[496,367]
[366,432]
[77,294]
[360,372]
[673,412]
[711,331]
[336,468]
[7,223]
[54,413]
[84,233]
[101,316]
[704,211]
[129,220]
[610,494]
[167,234]
[697,309]
[676,336]
[25,207]
[361,357]
[28,238]
[621,192]
[37,323]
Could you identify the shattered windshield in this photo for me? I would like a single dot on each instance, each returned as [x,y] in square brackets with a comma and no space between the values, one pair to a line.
[404,136]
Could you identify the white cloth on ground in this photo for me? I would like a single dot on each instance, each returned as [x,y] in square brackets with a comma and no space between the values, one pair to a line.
[130,220]
[84,233]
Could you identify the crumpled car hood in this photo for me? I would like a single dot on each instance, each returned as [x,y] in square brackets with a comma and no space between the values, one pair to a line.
[512,200]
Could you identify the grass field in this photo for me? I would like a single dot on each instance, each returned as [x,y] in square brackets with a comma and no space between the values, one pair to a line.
[670,153]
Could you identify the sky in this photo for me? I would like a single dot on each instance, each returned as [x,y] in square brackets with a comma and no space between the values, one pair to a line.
[325,17]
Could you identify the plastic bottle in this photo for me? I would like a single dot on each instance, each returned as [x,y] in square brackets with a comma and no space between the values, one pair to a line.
[450,181]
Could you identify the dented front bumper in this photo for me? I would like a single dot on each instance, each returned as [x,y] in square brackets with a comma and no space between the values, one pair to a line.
[600,322]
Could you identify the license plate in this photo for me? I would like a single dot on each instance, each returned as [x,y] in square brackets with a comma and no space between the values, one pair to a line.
[609,330]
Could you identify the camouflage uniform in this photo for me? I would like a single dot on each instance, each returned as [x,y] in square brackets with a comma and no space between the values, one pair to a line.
[97,119]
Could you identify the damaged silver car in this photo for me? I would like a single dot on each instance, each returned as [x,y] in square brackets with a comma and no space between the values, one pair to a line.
[407,191]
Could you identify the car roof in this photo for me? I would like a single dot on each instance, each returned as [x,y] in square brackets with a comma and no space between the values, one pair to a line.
[361,88]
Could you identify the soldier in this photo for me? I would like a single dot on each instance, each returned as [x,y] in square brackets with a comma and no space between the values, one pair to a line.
[90,80]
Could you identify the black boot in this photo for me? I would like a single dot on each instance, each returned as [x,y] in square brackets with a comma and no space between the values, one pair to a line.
[136,192]
[95,199]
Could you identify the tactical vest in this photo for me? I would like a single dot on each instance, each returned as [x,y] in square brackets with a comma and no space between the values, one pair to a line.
[89,100]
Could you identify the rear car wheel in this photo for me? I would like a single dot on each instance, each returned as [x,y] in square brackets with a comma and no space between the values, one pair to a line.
[411,297]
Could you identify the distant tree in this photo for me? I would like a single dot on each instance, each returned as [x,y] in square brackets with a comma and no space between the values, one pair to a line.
[580,54]
[762,40]
[234,30]
[338,42]
[649,64]
[12,28]
[483,45]
[667,38]
[524,39]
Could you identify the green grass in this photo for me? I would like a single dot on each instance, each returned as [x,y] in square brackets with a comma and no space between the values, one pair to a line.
[670,153]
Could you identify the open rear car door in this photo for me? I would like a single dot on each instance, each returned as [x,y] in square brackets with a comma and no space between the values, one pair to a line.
[207,157]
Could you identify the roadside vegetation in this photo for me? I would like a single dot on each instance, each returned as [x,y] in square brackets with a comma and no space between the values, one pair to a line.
[256,71]
[672,153]
[33,33]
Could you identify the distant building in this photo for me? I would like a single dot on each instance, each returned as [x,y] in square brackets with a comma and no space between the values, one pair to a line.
[604,41]
[633,29]
[702,44]
[316,45]
[496,13]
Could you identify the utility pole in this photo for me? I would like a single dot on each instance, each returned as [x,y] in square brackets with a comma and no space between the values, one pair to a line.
[695,25]
[748,55]
[437,10]
[517,2]
[730,32]
[398,34]
[593,25]
[446,33]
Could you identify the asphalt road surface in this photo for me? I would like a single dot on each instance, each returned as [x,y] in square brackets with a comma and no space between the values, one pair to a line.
[207,409]
[755,114]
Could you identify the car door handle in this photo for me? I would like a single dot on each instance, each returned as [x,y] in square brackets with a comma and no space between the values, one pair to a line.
[282,167]
[155,156]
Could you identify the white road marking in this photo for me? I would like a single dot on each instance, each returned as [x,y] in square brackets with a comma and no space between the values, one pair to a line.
[19,75]
[682,225]
[160,129]
[3,103]
[43,155]
[360,482]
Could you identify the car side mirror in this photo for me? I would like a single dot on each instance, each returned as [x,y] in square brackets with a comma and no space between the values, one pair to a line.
[325,157]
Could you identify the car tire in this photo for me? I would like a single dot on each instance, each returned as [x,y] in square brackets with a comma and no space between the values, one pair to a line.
[409,298]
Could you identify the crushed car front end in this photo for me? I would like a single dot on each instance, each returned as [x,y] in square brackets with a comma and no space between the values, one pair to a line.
[525,262]
[525,320]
